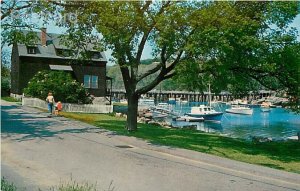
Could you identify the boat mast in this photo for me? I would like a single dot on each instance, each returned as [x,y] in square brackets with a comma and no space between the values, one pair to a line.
[209,96]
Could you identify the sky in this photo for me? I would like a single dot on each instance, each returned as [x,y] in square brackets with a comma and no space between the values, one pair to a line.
[147,53]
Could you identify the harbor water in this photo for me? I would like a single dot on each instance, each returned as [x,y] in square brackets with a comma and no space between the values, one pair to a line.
[277,124]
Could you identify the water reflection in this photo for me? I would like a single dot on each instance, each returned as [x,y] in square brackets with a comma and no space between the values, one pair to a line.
[209,127]
[277,124]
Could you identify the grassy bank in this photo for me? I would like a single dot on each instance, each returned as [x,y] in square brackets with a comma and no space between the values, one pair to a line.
[279,155]
[10,99]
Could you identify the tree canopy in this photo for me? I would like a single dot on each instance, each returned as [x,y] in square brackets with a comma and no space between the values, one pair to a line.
[231,44]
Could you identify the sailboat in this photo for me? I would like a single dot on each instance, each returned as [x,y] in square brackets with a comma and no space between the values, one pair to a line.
[207,112]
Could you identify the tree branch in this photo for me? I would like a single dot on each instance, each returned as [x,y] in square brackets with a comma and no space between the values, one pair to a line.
[149,72]
[147,32]
[12,8]
[175,62]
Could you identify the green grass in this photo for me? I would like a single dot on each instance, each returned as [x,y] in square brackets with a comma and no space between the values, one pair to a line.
[279,155]
[119,104]
[10,99]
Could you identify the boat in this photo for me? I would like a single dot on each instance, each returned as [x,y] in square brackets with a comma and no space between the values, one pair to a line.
[159,115]
[146,101]
[188,119]
[265,107]
[238,102]
[192,119]
[207,112]
[239,109]
[183,101]
[162,108]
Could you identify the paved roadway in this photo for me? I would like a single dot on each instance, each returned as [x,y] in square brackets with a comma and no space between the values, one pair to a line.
[41,152]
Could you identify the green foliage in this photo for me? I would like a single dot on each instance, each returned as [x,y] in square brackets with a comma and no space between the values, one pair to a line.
[61,84]
[6,186]
[10,99]
[17,16]
[235,50]
[5,73]
[5,84]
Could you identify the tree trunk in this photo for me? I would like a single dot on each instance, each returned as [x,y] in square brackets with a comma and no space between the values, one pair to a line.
[132,112]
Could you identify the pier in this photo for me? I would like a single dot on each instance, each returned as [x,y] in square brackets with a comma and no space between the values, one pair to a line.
[159,96]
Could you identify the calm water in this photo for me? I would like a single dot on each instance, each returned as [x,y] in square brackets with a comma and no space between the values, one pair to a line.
[277,124]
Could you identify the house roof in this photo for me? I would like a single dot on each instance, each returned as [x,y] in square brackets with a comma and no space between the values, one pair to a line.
[50,51]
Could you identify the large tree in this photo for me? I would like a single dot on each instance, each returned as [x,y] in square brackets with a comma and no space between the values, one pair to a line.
[179,32]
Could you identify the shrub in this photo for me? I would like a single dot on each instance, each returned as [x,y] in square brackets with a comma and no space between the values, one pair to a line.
[5,186]
[5,86]
[61,84]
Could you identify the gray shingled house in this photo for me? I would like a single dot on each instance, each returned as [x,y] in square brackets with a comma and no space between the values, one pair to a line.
[49,53]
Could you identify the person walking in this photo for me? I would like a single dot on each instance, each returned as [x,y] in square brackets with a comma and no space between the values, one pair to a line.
[58,108]
[50,100]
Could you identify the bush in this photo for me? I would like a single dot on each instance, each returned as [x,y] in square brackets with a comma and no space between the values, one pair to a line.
[5,86]
[61,84]
[5,186]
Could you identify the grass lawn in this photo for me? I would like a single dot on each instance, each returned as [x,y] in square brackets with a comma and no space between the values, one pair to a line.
[10,99]
[279,155]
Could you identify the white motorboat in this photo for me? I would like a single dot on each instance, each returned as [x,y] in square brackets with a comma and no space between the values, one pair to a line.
[238,109]
[207,112]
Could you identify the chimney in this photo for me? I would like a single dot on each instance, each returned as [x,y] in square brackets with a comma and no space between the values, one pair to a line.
[43,36]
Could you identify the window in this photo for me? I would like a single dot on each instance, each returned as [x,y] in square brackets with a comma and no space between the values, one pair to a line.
[90,81]
[94,82]
[31,50]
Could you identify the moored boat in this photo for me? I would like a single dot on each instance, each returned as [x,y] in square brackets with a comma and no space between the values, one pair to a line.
[238,109]
[146,101]
[188,119]
[207,112]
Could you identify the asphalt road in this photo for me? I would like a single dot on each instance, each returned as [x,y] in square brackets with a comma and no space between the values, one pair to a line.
[41,152]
